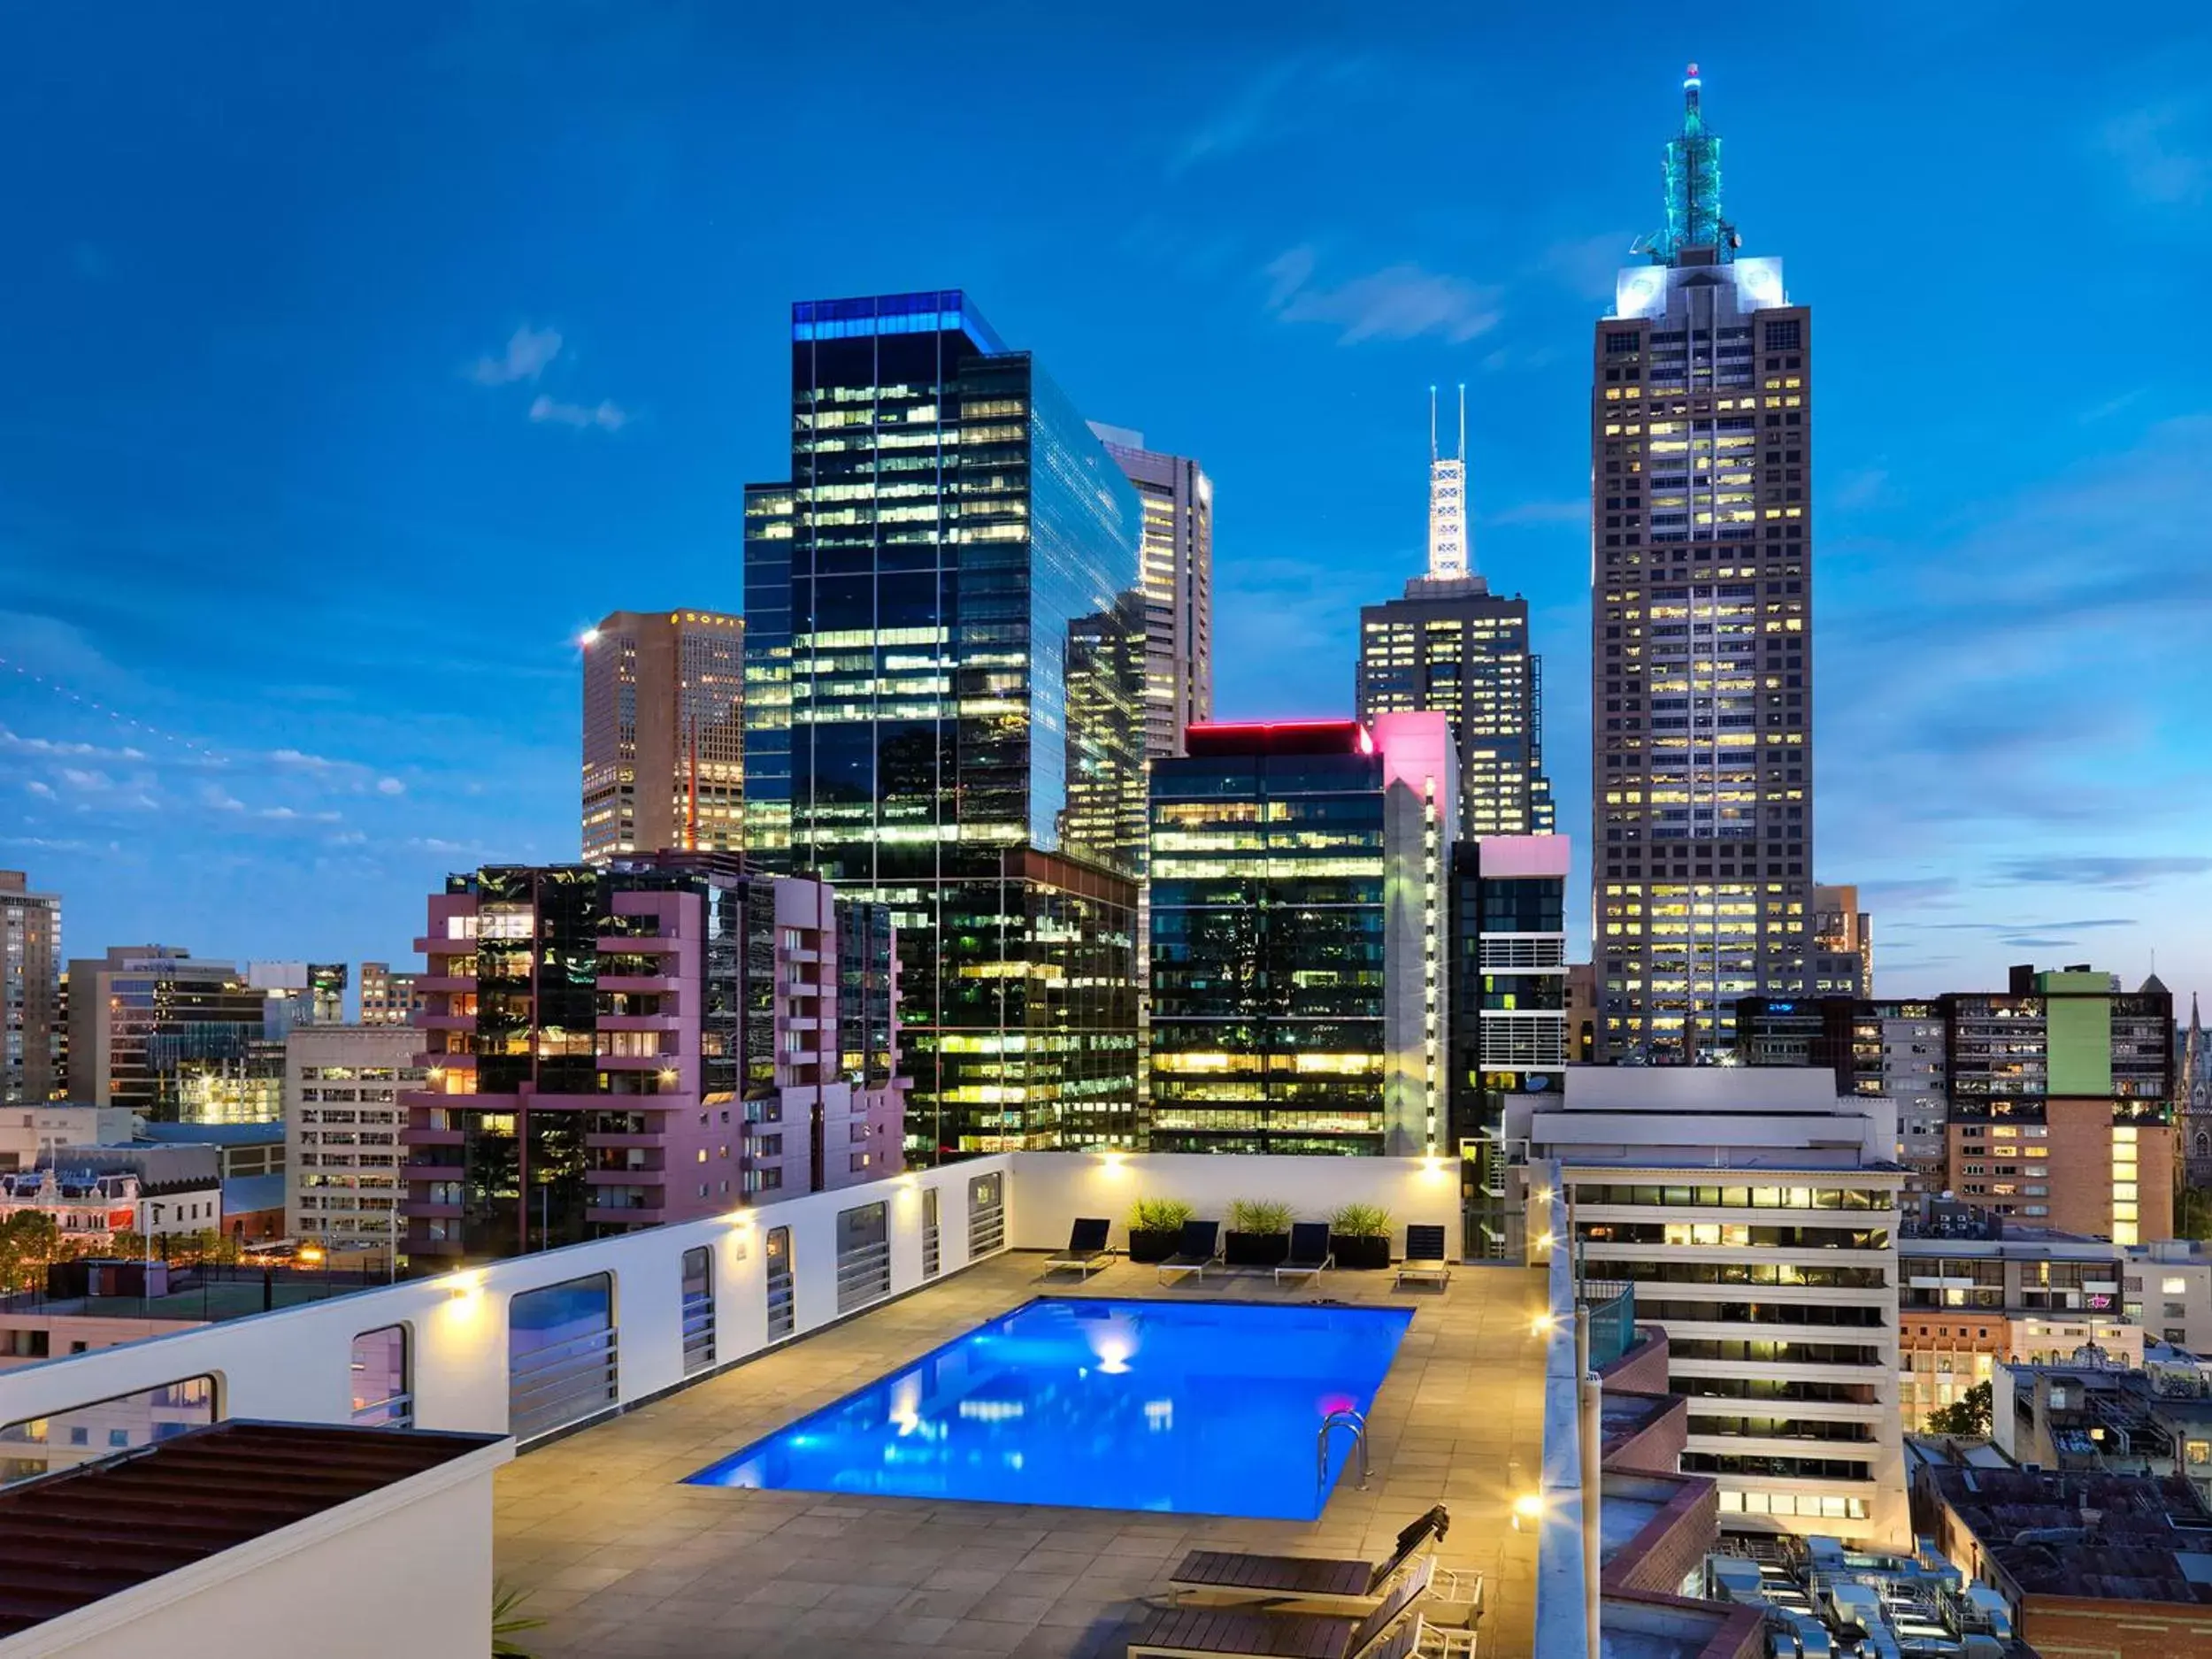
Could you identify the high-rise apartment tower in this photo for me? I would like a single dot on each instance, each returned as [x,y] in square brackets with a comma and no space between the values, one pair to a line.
[663,734]
[1702,674]
[1452,647]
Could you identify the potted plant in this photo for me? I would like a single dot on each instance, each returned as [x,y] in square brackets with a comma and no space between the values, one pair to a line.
[1259,1233]
[1359,1236]
[1155,1227]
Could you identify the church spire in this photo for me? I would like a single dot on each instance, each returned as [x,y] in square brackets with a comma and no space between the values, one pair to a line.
[1696,233]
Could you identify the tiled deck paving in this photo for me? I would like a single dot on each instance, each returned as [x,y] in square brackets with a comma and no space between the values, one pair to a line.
[622,1561]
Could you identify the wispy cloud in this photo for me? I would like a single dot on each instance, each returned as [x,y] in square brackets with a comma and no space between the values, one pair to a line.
[50,748]
[1860,489]
[2163,152]
[349,775]
[1283,97]
[2082,925]
[1588,266]
[1910,892]
[528,351]
[1573,511]
[2099,871]
[1399,301]
[603,416]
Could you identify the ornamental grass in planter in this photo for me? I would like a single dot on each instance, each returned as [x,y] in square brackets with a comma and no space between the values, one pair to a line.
[1259,1233]
[1359,1236]
[1155,1227]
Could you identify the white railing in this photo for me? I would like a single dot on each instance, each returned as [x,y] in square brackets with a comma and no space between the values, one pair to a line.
[1503,953]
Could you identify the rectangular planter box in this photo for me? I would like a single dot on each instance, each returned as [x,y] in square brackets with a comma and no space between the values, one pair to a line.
[1147,1245]
[1257,1249]
[1352,1251]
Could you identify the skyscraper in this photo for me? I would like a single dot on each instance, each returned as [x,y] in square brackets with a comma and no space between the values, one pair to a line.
[1453,646]
[944,677]
[1700,695]
[1300,875]
[1179,588]
[663,734]
[30,1016]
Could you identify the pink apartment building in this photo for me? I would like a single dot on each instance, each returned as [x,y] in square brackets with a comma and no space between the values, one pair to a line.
[652,1039]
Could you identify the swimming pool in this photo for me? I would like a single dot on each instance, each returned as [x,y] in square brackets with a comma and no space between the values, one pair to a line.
[1197,1408]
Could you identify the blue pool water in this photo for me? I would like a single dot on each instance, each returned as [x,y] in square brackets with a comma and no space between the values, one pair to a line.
[1193,1407]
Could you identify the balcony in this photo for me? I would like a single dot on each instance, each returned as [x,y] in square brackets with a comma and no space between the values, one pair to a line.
[658,983]
[639,944]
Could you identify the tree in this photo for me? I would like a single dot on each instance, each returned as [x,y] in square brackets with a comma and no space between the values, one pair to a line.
[29,1240]
[1970,1416]
[2193,1213]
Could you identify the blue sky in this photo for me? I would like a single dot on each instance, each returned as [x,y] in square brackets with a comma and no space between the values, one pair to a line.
[358,357]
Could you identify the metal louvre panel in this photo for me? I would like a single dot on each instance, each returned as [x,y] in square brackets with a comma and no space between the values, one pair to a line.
[560,1383]
[863,1275]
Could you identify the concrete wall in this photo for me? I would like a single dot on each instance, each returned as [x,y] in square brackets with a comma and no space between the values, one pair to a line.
[405,1569]
[295,1365]
[1051,1188]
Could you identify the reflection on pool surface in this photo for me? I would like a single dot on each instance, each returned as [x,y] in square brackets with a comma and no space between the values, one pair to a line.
[1203,1408]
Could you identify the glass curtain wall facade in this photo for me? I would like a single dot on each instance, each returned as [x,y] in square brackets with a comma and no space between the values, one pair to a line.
[944,673]
[1268,942]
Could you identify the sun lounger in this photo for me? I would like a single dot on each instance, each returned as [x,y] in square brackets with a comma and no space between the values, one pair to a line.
[1087,1250]
[1309,1253]
[1198,1249]
[1425,1261]
[1238,1632]
[1227,1576]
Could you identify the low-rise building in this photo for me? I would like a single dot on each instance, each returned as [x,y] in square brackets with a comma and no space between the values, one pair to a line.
[2167,1291]
[1969,1304]
[33,1134]
[2087,1562]
[2096,1412]
[96,1191]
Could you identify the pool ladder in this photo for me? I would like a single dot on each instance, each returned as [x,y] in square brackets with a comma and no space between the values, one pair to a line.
[1345,1419]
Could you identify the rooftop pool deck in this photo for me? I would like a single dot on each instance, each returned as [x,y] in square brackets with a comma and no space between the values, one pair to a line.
[623,1558]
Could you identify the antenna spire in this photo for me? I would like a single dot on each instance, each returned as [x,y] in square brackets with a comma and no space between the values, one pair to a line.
[1448,500]
[1696,233]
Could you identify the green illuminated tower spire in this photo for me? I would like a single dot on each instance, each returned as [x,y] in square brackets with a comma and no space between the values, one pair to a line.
[1696,233]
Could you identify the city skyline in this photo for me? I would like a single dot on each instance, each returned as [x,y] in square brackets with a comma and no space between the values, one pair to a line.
[225,521]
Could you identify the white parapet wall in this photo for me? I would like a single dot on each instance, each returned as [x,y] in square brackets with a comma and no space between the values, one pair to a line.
[1051,1188]
[405,1569]
[296,1364]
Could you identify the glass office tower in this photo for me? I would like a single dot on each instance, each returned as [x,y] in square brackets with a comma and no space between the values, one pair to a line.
[944,695]
[1300,876]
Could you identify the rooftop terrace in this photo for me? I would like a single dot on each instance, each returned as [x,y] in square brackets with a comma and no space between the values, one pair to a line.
[624,1365]
[623,1560]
